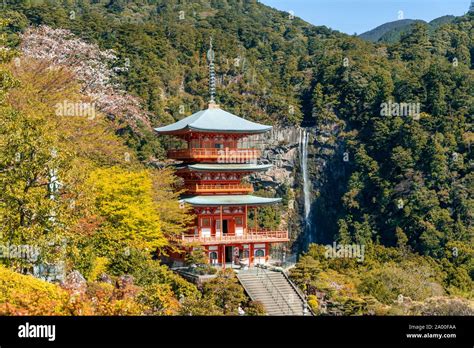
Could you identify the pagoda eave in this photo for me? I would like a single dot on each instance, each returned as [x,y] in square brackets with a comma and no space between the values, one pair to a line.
[190,130]
[229,200]
[213,120]
[225,167]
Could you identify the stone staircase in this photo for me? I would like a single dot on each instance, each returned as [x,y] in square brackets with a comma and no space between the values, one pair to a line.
[274,290]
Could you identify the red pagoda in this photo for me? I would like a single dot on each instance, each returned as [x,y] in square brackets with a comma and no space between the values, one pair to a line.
[217,155]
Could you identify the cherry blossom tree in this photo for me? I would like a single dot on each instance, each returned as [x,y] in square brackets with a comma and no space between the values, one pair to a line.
[96,69]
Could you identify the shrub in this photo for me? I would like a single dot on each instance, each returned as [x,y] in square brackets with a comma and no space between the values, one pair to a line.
[255,308]
[147,272]
[313,303]
[390,281]
[159,300]
[444,306]
[199,306]
[226,291]
[26,295]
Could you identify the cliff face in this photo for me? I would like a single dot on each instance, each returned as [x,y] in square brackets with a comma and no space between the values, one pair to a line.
[280,149]
[325,160]
[327,164]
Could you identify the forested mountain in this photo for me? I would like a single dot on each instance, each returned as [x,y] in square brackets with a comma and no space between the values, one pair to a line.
[391,32]
[398,26]
[399,182]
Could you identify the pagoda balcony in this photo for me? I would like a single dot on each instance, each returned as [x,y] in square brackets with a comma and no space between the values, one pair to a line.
[251,236]
[220,188]
[227,155]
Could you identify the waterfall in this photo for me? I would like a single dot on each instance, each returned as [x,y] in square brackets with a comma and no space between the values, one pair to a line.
[303,141]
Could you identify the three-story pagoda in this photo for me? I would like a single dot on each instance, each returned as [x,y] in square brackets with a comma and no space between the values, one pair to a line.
[214,162]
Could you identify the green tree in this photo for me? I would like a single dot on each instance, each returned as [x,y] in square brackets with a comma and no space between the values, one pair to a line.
[226,292]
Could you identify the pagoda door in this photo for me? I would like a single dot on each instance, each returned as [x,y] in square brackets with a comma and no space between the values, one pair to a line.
[225,226]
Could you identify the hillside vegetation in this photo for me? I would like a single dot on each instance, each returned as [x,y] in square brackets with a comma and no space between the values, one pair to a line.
[91,190]
[392,32]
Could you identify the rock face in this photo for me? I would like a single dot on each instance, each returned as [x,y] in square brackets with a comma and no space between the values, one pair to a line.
[124,281]
[281,150]
[283,158]
[75,283]
[126,287]
[105,278]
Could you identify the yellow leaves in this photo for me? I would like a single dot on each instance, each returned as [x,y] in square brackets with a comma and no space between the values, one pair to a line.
[350,199]
[468,138]
[27,161]
[313,302]
[105,299]
[25,295]
[159,300]
[175,219]
[99,266]
[125,200]
[42,84]
[42,89]
[337,284]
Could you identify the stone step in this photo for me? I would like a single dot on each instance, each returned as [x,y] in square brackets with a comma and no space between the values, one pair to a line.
[293,309]
[275,282]
[286,287]
[281,288]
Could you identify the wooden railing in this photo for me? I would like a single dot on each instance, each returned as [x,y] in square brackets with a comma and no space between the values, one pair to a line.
[255,236]
[227,155]
[220,188]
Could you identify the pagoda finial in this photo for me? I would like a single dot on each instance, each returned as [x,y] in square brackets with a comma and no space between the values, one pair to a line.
[212,74]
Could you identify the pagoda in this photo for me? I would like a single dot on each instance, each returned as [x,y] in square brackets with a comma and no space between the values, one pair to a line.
[216,156]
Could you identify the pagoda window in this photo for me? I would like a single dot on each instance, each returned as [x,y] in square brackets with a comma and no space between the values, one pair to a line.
[205,222]
[239,228]
[206,143]
[259,253]
[213,256]
[238,221]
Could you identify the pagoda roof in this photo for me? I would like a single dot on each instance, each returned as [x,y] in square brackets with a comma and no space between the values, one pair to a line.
[214,119]
[229,200]
[227,167]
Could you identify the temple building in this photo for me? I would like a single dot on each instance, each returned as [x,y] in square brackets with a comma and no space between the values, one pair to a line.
[216,153]
[216,158]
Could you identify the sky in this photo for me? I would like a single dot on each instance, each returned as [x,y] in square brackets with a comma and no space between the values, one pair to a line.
[358,16]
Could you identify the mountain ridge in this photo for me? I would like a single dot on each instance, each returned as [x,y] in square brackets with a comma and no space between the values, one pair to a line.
[391,31]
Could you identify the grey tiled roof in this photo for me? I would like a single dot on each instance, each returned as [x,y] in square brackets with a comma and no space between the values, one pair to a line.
[214,120]
[227,200]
